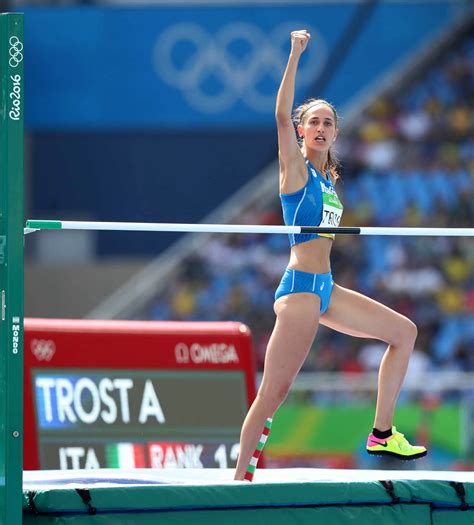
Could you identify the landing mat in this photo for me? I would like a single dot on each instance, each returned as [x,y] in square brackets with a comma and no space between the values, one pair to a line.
[284,496]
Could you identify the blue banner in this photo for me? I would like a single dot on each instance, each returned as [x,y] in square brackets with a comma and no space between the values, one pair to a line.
[191,67]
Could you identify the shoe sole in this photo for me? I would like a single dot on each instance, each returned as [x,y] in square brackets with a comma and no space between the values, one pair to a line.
[397,456]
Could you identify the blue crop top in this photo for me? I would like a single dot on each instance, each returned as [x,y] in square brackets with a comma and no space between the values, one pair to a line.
[316,204]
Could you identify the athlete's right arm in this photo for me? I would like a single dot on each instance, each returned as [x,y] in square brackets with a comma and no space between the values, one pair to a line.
[293,171]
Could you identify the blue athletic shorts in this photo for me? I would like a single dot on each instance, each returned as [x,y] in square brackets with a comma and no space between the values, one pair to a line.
[296,281]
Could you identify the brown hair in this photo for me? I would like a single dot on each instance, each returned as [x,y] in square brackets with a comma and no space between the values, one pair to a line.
[298,118]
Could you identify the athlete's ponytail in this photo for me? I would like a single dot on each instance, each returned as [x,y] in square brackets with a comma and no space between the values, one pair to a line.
[332,165]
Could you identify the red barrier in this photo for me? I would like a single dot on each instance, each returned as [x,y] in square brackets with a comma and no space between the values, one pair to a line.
[135,393]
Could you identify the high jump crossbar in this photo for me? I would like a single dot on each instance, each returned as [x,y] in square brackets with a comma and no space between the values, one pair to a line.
[35,225]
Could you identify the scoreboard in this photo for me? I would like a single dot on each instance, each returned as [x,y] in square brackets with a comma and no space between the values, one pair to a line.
[101,394]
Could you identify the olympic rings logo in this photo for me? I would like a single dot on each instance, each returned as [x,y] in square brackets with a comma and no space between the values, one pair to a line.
[238,63]
[42,349]
[16,48]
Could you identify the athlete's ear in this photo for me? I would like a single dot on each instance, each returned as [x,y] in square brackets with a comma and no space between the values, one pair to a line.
[335,135]
[300,131]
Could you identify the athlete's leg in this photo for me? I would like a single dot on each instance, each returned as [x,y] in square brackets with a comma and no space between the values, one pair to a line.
[295,328]
[352,313]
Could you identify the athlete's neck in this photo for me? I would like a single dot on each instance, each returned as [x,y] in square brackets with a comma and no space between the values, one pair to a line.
[318,159]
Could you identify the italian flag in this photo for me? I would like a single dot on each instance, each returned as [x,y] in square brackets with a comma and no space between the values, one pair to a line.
[125,455]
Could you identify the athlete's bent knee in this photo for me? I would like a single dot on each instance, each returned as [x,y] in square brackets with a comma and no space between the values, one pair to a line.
[411,331]
[406,333]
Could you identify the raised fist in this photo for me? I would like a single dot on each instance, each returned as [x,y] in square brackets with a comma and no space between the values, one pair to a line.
[299,40]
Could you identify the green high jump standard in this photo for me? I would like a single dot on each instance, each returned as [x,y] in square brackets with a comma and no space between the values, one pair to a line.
[11,267]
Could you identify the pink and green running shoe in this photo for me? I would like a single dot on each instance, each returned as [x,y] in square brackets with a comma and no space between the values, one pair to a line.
[396,446]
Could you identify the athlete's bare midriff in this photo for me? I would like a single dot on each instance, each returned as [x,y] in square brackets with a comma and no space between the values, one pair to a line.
[312,256]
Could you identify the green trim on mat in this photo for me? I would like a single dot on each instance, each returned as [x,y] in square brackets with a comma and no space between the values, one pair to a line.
[231,495]
[418,514]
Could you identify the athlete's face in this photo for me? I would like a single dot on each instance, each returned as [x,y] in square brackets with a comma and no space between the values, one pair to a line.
[318,129]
